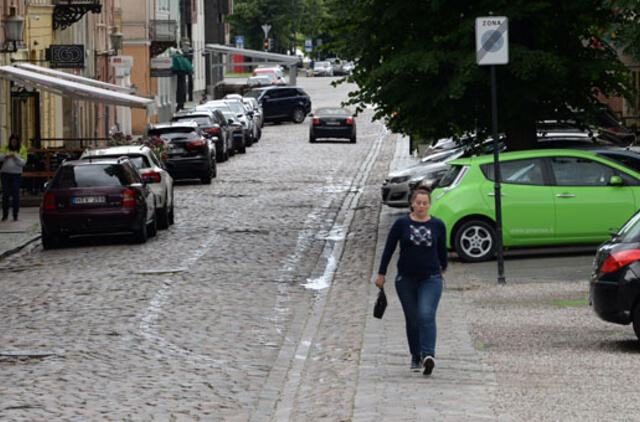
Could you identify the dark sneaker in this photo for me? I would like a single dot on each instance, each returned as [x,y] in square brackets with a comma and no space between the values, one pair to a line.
[428,363]
[415,363]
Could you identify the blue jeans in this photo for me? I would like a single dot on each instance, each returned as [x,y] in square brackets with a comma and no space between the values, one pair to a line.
[10,187]
[419,298]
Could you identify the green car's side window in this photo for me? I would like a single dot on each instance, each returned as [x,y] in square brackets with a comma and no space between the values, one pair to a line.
[517,172]
[576,171]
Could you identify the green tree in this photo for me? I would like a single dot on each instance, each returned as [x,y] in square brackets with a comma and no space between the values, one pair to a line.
[415,61]
[249,16]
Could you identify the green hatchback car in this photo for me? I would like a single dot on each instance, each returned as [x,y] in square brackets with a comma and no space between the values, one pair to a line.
[549,197]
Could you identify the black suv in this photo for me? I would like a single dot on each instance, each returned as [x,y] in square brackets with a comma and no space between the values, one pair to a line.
[191,154]
[213,125]
[281,103]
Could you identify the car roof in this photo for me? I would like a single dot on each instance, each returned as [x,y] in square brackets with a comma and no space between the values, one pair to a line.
[189,124]
[193,112]
[121,149]
[531,153]
[97,160]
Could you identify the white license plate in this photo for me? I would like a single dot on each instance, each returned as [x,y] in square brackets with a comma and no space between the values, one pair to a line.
[333,123]
[78,200]
[176,150]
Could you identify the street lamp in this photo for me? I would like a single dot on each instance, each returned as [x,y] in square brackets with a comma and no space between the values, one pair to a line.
[13,25]
[116,39]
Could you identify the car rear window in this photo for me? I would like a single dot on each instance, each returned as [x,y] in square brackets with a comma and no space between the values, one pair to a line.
[450,176]
[200,120]
[180,136]
[139,161]
[630,232]
[91,175]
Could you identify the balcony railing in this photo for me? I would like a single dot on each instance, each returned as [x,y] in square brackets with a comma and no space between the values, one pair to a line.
[68,12]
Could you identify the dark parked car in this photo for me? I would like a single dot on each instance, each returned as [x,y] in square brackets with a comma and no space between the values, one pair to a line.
[614,290]
[96,196]
[213,125]
[281,103]
[332,123]
[191,154]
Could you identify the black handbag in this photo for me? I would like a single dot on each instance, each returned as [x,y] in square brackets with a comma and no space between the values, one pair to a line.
[381,304]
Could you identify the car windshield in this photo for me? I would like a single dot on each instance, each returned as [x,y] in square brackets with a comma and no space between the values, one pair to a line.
[628,161]
[321,64]
[92,175]
[255,93]
[630,232]
[200,120]
[139,161]
[229,115]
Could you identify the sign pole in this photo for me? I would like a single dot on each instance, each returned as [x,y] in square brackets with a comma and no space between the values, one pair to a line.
[492,48]
[497,176]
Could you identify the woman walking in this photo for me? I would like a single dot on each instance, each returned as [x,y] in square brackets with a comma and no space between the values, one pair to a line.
[13,156]
[422,261]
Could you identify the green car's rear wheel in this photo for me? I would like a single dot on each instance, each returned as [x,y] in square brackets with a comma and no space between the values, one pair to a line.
[475,241]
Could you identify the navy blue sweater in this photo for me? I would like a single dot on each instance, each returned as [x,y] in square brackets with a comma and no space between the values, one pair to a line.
[423,247]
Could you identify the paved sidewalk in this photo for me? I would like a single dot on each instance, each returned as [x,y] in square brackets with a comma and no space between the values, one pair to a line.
[460,386]
[14,235]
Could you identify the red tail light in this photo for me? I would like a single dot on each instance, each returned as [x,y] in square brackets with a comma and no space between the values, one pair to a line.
[212,130]
[49,201]
[316,121]
[350,121]
[614,129]
[619,259]
[199,143]
[129,198]
[154,176]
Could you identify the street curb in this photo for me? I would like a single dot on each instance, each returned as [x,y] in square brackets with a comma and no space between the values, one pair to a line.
[19,247]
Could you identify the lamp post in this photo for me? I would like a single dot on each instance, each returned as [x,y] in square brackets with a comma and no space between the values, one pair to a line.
[116,39]
[13,25]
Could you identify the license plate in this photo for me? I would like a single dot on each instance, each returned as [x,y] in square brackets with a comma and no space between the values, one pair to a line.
[333,123]
[79,200]
[176,150]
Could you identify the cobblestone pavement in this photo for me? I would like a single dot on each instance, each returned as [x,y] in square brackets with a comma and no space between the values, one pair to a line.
[214,318]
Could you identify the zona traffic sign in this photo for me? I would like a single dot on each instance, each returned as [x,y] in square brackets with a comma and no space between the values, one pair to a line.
[492,40]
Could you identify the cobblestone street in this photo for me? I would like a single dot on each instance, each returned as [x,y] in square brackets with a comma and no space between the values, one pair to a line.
[214,318]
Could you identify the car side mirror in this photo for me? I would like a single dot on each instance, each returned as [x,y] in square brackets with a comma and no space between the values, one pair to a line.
[616,181]
[310,114]
[230,121]
[613,232]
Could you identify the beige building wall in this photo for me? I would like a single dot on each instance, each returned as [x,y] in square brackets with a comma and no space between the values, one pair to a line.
[135,28]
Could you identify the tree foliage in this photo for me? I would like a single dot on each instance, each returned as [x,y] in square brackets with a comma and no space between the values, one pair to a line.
[286,17]
[416,63]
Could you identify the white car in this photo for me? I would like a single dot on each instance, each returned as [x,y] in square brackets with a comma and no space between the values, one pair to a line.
[152,172]
[396,188]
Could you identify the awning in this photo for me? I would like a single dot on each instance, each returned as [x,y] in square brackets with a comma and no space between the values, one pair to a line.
[76,90]
[74,78]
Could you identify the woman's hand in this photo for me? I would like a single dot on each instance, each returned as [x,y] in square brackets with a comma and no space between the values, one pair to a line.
[380,281]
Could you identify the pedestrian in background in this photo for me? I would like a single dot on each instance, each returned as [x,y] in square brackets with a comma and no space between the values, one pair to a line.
[422,261]
[13,156]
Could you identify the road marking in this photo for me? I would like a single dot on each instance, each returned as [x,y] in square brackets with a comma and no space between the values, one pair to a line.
[282,384]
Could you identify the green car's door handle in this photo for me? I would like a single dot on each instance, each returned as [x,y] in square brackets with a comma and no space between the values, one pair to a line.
[565,195]
[492,194]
